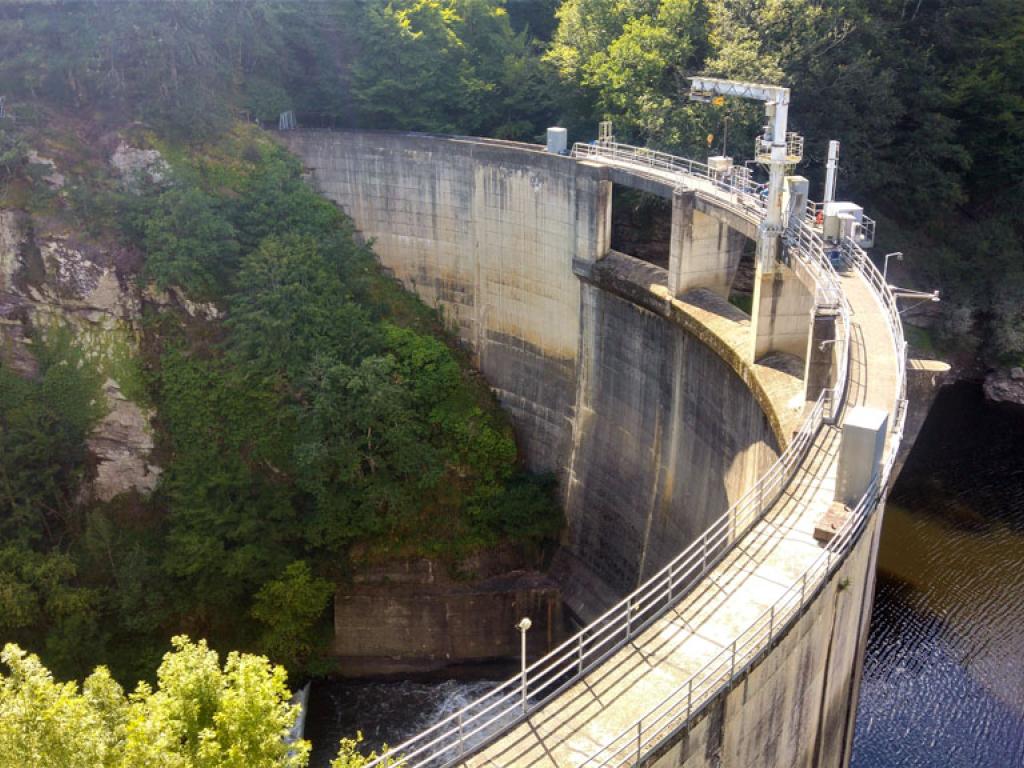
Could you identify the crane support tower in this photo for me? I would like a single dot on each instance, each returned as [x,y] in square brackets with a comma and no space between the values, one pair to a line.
[776,148]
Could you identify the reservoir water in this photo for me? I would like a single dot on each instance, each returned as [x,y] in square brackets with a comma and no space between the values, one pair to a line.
[944,671]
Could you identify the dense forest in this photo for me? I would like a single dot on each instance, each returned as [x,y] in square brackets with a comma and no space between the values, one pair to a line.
[313,416]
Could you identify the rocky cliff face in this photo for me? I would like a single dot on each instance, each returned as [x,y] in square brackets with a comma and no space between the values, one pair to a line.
[1006,386]
[50,276]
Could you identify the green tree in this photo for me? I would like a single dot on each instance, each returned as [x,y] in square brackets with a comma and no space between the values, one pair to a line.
[189,242]
[293,303]
[200,715]
[490,80]
[289,607]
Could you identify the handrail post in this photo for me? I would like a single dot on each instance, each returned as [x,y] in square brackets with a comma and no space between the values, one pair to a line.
[639,736]
[462,745]
[689,699]
[771,624]
[629,618]
[732,664]
[579,648]
[671,577]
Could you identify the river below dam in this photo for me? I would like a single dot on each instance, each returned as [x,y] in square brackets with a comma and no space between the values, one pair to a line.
[944,672]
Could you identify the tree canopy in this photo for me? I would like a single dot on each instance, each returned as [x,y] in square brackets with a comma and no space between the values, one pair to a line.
[200,714]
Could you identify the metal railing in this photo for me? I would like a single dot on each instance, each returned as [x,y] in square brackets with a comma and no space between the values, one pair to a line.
[483,720]
[794,148]
[752,193]
[662,722]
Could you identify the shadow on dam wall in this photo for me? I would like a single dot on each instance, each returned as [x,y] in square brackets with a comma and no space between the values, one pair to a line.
[651,432]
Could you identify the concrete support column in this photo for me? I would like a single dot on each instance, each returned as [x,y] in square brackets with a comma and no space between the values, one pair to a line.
[781,312]
[703,252]
[860,453]
[819,364]
[593,212]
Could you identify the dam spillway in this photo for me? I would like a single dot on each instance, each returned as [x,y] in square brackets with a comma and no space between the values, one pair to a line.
[638,387]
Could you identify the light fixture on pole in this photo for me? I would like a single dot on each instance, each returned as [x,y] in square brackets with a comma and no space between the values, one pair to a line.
[885,267]
[523,625]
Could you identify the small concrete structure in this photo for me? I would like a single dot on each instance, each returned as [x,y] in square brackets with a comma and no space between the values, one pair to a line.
[781,312]
[860,453]
[821,364]
[558,139]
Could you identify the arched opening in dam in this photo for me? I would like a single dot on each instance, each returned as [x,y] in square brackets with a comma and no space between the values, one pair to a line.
[641,225]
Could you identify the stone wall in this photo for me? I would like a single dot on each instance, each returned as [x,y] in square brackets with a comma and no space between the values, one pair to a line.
[413,616]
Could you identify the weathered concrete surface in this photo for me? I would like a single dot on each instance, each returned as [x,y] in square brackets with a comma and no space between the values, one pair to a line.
[783,303]
[652,432]
[795,707]
[705,251]
[413,616]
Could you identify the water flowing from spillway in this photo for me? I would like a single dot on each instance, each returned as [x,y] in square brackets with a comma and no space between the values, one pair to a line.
[385,712]
[944,673]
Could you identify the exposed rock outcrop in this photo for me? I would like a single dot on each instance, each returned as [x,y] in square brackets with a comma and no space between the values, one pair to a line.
[1005,386]
[135,165]
[122,443]
[50,278]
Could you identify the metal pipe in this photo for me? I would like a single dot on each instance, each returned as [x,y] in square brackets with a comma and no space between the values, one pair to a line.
[830,171]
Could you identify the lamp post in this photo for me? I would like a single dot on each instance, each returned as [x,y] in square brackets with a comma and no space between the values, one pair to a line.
[885,267]
[523,625]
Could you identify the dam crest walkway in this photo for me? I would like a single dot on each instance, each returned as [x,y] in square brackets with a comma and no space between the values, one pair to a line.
[628,683]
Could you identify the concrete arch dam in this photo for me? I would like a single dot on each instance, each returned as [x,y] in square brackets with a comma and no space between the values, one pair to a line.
[700,450]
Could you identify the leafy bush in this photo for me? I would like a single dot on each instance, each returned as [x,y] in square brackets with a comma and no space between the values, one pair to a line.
[199,715]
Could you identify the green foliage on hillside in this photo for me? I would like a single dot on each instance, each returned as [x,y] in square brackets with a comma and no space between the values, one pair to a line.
[200,714]
[190,67]
[318,411]
[43,425]
[308,420]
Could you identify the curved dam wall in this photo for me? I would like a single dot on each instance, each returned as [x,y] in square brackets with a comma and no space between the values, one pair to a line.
[651,433]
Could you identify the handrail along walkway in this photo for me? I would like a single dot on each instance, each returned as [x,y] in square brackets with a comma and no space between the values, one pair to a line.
[489,716]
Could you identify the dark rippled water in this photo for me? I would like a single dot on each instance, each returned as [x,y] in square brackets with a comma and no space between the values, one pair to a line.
[944,673]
